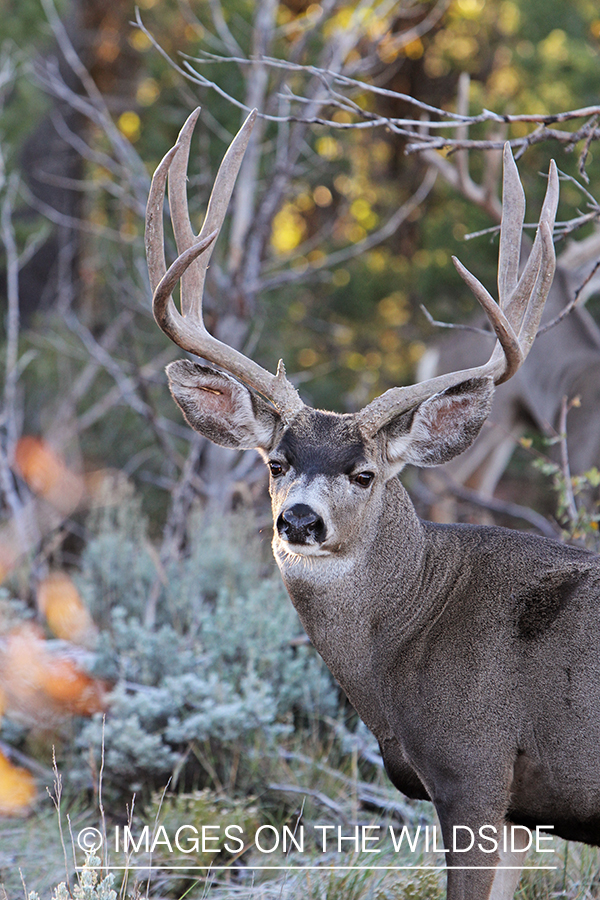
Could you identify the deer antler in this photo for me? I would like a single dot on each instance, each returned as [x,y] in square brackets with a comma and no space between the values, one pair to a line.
[187,328]
[515,319]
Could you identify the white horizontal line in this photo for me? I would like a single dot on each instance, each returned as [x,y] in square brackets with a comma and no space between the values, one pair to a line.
[314,868]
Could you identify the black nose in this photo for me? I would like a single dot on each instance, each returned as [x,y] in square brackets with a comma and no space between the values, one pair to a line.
[299,524]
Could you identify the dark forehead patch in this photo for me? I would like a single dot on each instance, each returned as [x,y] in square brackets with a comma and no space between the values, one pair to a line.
[322,443]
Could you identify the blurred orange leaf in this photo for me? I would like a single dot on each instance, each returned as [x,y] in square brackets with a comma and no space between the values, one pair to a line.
[72,688]
[46,473]
[17,788]
[43,686]
[60,603]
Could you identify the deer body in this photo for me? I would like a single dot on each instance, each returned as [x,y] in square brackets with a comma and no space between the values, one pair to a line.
[483,639]
[488,661]
[472,653]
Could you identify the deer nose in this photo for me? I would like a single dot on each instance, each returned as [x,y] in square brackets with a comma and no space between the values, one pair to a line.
[299,523]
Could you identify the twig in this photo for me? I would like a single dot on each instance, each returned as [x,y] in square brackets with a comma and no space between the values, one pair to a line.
[458,326]
[368,794]
[571,506]
[125,382]
[22,523]
[319,796]
[585,150]
[572,303]
[60,428]
[12,323]
[446,119]
[39,770]
[97,110]
[56,797]
[174,531]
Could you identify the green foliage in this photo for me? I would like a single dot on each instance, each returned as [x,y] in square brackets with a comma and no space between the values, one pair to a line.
[578,514]
[90,886]
[219,666]
[418,885]
[196,810]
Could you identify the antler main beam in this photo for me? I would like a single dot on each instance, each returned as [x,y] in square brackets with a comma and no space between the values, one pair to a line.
[515,318]
[186,328]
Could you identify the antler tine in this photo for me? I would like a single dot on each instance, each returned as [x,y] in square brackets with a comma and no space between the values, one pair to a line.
[187,330]
[515,319]
[509,342]
[541,256]
[192,283]
[192,280]
[511,227]
[154,234]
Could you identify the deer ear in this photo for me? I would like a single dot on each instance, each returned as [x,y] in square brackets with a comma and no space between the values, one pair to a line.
[222,409]
[439,428]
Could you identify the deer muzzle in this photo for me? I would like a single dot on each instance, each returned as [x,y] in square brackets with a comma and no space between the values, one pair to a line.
[299,524]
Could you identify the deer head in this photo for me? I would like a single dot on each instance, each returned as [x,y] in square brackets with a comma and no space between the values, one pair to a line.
[328,471]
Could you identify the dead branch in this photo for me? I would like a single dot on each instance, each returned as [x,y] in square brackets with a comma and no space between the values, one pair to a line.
[456,326]
[572,303]
[570,504]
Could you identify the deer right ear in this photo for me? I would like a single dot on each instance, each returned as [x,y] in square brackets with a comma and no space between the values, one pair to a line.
[439,428]
[222,409]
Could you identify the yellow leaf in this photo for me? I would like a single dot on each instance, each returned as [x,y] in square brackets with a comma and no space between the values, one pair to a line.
[130,125]
[288,229]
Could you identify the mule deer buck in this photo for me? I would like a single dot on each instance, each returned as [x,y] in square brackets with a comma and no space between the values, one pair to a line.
[471,652]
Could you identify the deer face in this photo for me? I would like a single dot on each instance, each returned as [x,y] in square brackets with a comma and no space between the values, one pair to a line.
[325,477]
[328,472]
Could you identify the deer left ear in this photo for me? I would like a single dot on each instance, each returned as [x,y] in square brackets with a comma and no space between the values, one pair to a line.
[439,428]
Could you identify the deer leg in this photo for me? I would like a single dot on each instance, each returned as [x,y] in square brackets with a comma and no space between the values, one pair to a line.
[474,837]
[475,883]
[478,875]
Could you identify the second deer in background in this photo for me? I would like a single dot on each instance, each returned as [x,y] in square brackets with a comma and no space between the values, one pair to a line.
[564,362]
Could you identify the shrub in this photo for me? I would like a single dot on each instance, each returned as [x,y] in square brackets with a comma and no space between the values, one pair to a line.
[220,665]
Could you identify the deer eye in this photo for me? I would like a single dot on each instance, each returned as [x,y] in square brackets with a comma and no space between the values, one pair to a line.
[276,468]
[362,479]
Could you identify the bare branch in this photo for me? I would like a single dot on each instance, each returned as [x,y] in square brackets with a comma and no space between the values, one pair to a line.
[412,127]
[539,136]
[12,324]
[96,109]
[571,506]
[572,303]
[457,326]
[504,507]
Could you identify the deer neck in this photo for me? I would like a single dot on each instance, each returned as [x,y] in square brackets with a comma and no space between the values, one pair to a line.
[348,605]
